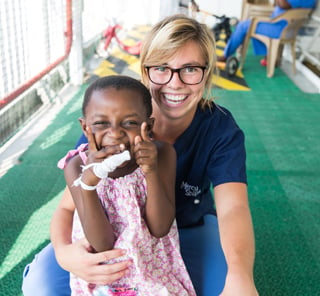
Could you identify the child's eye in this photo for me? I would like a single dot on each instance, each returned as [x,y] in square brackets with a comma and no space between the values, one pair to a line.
[131,123]
[99,125]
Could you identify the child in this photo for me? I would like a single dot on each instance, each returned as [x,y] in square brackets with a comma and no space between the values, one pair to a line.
[133,178]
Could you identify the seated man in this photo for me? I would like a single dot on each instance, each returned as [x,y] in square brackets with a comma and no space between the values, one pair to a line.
[271,30]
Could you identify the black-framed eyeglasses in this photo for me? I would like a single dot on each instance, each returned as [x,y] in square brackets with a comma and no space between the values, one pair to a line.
[188,75]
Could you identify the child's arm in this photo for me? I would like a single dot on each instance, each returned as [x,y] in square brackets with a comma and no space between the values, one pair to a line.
[95,223]
[158,163]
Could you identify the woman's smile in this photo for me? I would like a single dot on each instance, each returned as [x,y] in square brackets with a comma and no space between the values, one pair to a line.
[174,99]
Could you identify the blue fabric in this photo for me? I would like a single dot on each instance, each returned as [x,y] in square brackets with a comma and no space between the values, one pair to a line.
[302,3]
[44,276]
[200,249]
[267,29]
[202,253]
[295,4]
[82,140]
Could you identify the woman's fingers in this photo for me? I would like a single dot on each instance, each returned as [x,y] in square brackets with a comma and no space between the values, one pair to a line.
[104,273]
[79,260]
[109,255]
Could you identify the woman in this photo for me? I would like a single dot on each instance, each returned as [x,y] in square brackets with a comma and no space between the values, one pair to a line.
[177,62]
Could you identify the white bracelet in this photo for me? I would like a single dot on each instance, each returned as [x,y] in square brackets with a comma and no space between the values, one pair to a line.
[83,185]
[87,187]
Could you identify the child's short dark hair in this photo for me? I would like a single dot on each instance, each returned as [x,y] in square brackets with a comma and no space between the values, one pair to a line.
[118,82]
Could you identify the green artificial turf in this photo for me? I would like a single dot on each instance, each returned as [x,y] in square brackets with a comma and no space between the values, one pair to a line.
[282,130]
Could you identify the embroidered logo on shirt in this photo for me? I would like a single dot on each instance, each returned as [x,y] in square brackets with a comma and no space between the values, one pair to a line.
[190,190]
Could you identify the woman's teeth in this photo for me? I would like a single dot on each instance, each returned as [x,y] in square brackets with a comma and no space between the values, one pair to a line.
[174,99]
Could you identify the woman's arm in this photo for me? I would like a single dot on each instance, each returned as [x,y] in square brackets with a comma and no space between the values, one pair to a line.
[77,257]
[237,237]
[61,223]
[158,163]
[283,4]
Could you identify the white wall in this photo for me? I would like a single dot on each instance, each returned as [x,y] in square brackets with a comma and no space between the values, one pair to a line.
[230,8]
[148,11]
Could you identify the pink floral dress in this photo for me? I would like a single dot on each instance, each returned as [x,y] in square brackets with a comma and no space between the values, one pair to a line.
[158,268]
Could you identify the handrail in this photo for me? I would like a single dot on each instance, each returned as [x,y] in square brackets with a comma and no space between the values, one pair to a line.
[22,88]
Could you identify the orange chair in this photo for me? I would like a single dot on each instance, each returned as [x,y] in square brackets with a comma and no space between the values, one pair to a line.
[295,19]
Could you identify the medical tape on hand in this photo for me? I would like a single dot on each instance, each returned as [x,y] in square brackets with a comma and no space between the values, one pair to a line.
[102,169]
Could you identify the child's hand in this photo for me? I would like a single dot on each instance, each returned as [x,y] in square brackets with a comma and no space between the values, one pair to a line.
[95,155]
[145,151]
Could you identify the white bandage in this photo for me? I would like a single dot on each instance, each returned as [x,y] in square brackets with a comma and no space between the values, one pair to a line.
[102,169]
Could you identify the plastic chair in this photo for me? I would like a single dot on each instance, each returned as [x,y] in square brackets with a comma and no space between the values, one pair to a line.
[254,8]
[295,19]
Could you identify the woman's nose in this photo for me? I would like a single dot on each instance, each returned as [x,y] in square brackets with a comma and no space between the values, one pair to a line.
[175,80]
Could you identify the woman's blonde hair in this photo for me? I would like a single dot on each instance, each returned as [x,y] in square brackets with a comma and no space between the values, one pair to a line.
[168,36]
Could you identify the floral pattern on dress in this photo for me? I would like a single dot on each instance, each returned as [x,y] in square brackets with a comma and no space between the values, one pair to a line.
[158,268]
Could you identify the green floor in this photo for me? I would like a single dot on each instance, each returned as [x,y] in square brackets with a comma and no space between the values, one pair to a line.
[282,137]
[283,142]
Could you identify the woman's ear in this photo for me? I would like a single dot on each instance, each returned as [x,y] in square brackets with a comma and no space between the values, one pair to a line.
[83,125]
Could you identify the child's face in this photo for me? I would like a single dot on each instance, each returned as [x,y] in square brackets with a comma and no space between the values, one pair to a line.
[115,117]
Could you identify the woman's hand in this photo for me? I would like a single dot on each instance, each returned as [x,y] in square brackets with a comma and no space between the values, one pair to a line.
[78,259]
[239,284]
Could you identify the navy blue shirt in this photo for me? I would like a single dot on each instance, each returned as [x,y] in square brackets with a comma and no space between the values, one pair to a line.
[210,152]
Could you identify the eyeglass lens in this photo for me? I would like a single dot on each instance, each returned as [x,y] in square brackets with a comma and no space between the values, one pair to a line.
[188,75]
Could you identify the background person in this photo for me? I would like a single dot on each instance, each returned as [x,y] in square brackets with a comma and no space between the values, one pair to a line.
[272,30]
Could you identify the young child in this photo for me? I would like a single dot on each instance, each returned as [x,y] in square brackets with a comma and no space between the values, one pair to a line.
[133,178]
